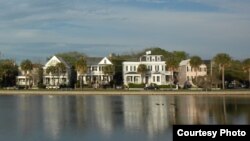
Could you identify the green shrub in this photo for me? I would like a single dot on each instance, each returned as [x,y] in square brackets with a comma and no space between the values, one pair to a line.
[132,85]
[167,86]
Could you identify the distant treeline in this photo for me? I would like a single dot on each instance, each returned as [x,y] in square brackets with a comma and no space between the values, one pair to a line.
[233,70]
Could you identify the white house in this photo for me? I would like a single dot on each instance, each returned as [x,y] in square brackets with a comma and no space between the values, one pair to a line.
[30,79]
[187,73]
[55,80]
[95,74]
[156,70]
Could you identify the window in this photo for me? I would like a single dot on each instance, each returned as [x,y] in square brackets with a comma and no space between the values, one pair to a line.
[126,68]
[130,68]
[105,61]
[156,68]
[149,67]
[153,78]
[158,78]
[134,68]
[187,69]
[94,68]
[162,67]
[159,58]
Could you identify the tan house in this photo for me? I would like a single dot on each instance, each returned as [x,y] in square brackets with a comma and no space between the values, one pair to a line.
[55,80]
[187,73]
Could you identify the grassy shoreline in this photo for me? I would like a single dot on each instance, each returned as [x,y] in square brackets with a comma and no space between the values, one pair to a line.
[123,92]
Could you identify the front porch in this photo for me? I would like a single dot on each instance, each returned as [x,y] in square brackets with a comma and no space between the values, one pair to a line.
[95,80]
[55,81]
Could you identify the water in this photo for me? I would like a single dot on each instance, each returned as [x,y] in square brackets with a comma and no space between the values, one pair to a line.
[112,118]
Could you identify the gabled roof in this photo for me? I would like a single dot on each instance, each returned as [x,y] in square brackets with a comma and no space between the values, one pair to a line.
[54,60]
[93,60]
[97,60]
[184,62]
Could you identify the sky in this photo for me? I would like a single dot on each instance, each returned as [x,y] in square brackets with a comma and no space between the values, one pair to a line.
[37,29]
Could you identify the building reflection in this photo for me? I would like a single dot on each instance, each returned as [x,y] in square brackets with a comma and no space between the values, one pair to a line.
[134,114]
[150,115]
[27,114]
[81,111]
[103,114]
[52,115]
[157,120]
[190,110]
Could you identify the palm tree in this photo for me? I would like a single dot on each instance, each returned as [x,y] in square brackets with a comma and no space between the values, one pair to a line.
[26,66]
[52,70]
[142,69]
[223,60]
[61,69]
[195,63]
[246,67]
[81,68]
[108,70]
[172,65]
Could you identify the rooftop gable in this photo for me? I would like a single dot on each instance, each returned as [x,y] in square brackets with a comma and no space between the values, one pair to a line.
[105,61]
[55,60]
[98,61]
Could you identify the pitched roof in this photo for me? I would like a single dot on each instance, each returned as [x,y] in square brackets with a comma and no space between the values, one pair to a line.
[58,59]
[63,61]
[184,62]
[93,60]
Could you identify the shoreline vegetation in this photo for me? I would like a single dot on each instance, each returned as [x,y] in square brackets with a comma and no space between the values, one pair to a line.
[127,92]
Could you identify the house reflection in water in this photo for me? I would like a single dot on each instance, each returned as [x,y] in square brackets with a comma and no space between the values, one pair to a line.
[103,114]
[52,116]
[105,117]
[191,111]
[134,115]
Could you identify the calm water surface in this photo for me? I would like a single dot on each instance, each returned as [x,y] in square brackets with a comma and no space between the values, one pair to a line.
[112,118]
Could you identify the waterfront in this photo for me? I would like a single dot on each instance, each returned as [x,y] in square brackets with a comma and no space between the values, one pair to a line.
[111,118]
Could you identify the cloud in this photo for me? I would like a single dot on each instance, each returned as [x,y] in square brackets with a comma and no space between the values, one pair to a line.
[241,6]
[99,27]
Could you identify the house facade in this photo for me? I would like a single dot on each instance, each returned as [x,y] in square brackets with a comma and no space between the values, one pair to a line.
[95,75]
[54,80]
[156,71]
[187,73]
[30,79]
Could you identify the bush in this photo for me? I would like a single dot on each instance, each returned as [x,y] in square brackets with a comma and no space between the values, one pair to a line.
[167,86]
[132,85]
[41,86]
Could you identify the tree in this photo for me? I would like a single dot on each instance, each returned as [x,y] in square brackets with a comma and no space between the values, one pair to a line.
[108,70]
[8,73]
[172,64]
[52,71]
[71,57]
[195,63]
[223,60]
[26,66]
[142,69]
[81,68]
[246,67]
[61,70]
